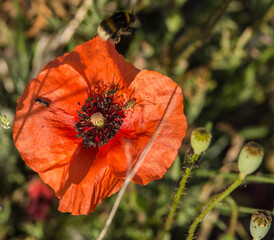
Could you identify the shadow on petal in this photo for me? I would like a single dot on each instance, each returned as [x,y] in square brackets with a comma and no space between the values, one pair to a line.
[78,168]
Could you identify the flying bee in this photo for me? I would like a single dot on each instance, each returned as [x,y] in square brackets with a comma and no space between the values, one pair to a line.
[115,26]
[42,102]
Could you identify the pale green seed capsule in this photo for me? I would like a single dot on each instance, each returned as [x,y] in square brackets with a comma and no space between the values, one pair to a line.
[200,140]
[97,119]
[250,158]
[260,224]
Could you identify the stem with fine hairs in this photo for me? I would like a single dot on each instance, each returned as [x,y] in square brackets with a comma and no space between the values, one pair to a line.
[191,162]
[214,202]
[179,193]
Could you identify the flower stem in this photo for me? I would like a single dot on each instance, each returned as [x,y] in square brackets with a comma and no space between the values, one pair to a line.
[234,216]
[266,178]
[211,205]
[179,193]
[241,209]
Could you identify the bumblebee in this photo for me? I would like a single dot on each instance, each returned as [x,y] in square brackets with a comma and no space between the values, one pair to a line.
[115,26]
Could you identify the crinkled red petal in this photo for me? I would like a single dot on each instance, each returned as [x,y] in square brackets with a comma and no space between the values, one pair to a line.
[98,62]
[45,136]
[84,182]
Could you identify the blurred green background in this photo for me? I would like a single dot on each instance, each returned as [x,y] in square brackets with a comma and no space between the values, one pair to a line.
[221,53]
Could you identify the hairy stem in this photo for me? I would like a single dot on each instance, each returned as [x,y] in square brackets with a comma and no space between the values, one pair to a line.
[211,205]
[179,194]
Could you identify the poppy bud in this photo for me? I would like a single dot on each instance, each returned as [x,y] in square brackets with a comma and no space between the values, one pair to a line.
[200,140]
[5,122]
[260,224]
[250,158]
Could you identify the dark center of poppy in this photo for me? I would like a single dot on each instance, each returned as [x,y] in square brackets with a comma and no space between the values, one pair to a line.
[99,119]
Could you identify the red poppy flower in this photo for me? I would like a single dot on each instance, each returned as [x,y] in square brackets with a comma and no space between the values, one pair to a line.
[74,120]
[40,198]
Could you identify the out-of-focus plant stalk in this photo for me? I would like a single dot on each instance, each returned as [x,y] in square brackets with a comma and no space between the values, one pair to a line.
[234,216]
[241,209]
[232,176]
[200,34]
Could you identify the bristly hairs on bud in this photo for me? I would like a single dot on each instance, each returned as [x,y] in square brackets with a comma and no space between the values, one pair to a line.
[191,159]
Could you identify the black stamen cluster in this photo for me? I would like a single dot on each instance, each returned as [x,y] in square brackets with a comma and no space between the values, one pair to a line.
[113,115]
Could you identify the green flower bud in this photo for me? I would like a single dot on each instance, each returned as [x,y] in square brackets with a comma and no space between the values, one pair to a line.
[260,224]
[5,122]
[250,158]
[200,140]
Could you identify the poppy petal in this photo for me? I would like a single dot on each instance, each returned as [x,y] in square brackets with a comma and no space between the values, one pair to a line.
[44,135]
[82,183]
[103,63]
[159,94]
[98,62]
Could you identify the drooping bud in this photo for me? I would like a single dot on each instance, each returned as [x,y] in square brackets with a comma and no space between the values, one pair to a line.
[200,140]
[260,224]
[250,158]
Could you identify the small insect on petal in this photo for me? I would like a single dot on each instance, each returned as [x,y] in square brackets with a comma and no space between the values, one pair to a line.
[129,104]
[42,102]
